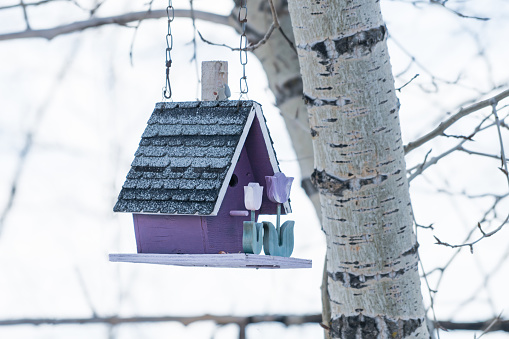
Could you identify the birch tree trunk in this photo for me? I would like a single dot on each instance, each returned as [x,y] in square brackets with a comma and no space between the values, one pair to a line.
[373,280]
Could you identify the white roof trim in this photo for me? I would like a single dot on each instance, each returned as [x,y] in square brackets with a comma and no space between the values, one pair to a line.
[235,159]
[270,148]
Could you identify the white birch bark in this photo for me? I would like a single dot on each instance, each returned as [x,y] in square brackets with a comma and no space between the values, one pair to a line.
[373,279]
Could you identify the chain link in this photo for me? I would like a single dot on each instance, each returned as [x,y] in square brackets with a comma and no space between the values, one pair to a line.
[170,11]
[243,46]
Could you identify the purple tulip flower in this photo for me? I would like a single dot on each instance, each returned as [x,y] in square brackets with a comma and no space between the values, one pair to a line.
[278,187]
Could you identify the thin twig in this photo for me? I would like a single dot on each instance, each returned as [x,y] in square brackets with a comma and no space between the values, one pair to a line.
[44,2]
[136,28]
[25,15]
[426,280]
[502,153]
[275,24]
[492,156]
[409,81]
[442,3]
[484,234]
[249,48]
[490,326]
[194,58]
[461,15]
[292,46]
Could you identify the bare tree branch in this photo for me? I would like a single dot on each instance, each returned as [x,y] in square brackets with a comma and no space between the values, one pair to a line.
[220,320]
[123,19]
[463,112]
[496,324]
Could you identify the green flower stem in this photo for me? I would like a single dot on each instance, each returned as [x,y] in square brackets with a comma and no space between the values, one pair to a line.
[278,222]
[253,216]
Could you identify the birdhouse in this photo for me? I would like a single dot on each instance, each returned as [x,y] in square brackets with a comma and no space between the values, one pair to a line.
[185,188]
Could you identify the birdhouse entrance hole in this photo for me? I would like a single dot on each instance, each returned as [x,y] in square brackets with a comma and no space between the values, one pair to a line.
[234,181]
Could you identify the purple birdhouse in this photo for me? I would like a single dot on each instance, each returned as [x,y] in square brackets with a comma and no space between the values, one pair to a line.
[185,187]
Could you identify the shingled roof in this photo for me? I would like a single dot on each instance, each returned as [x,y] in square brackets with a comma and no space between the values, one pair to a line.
[184,156]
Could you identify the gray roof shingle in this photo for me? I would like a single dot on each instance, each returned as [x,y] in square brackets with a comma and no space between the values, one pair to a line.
[183,157]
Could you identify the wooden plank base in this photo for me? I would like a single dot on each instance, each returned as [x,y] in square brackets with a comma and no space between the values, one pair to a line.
[234,260]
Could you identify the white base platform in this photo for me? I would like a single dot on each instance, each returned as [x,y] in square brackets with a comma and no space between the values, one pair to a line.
[234,260]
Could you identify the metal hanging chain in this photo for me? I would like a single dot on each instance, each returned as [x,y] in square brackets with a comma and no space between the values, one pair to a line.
[243,46]
[170,11]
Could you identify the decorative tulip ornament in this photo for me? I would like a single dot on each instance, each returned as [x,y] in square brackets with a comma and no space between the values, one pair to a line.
[278,191]
[253,193]
[279,240]
[252,237]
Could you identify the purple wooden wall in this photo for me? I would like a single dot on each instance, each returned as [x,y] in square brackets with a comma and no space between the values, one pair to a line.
[259,156]
[197,235]
[170,234]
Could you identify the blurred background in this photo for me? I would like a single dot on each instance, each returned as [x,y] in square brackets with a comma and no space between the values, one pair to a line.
[72,110]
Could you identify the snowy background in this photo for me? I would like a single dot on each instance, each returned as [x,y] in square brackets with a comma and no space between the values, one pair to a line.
[72,111]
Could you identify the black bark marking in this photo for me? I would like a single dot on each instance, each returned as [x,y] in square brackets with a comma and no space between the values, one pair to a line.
[411,251]
[386,163]
[331,120]
[347,327]
[361,41]
[311,101]
[336,186]
[391,212]
[326,182]
[320,49]
[314,133]
[338,145]
[350,280]
[336,219]
[319,102]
